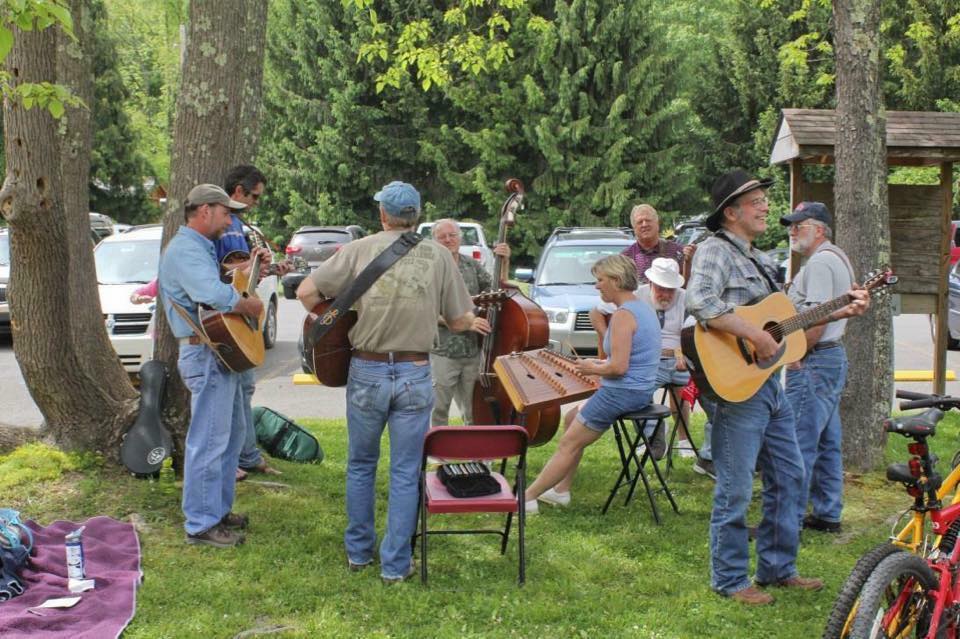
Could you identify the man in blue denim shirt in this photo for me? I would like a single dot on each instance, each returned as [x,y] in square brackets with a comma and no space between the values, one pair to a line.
[190,276]
[814,384]
[727,272]
[389,382]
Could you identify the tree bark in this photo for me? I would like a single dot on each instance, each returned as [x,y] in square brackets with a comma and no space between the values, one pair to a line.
[863,224]
[60,341]
[217,111]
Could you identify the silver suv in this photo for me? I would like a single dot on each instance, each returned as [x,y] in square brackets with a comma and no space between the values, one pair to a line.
[564,287]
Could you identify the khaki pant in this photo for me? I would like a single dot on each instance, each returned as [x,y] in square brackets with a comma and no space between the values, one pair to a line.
[453,378]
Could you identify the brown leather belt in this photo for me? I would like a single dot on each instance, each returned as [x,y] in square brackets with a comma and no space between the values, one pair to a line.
[193,340]
[396,356]
[668,352]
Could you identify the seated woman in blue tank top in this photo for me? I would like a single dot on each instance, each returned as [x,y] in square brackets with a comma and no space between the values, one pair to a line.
[628,379]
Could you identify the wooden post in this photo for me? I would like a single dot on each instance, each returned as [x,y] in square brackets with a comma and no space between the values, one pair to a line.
[941,333]
[796,197]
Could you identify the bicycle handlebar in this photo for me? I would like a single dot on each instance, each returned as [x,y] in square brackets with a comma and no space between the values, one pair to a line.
[925,400]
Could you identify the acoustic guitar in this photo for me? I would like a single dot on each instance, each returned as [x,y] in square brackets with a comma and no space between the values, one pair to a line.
[239,338]
[726,366]
[330,356]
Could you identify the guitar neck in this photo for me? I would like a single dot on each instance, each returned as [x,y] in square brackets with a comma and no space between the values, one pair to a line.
[810,317]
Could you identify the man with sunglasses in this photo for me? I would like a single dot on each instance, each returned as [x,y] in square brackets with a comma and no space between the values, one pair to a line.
[245,184]
[814,384]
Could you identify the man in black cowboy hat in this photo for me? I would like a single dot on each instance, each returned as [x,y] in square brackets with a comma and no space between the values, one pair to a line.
[728,272]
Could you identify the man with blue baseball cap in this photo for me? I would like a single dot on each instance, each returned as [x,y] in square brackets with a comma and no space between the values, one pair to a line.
[389,384]
[814,384]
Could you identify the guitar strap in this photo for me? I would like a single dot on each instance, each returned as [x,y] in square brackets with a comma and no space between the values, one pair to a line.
[773,285]
[201,335]
[370,274]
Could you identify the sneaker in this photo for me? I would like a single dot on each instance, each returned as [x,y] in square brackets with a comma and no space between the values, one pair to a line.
[641,449]
[798,582]
[355,567]
[389,581]
[685,450]
[705,467]
[813,522]
[218,536]
[532,508]
[241,474]
[235,521]
[556,498]
[752,596]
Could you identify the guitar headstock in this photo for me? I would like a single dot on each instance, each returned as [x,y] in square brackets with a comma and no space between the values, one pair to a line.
[880,280]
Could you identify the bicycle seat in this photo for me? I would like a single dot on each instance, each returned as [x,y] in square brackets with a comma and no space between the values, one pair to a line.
[901,473]
[920,425]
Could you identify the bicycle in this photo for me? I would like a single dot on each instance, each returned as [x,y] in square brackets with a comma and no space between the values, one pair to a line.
[911,552]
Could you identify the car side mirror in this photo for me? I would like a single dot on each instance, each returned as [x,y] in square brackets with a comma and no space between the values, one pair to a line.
[523,274]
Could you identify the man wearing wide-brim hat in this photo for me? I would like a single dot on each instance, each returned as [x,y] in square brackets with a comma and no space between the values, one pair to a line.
[728,271]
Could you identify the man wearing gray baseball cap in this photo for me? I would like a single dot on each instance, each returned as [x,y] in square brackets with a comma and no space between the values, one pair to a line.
[190,276]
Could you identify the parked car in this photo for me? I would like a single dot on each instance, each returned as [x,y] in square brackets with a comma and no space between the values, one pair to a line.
[313,245]
[953,308]
[690,230]
[101,224]
[4,280]
[126,261]
[472,242]
[954,242]
[781,255]
[563,285]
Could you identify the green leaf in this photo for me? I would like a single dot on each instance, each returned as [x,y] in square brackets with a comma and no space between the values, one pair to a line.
[27,102]
[56,108]
[6,42]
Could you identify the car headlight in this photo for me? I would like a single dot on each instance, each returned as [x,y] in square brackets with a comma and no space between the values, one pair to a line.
[557,315]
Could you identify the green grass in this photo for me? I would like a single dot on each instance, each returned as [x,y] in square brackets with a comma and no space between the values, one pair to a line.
[617,575]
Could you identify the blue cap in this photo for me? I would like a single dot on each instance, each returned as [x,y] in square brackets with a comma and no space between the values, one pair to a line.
[399,199]
[808,211]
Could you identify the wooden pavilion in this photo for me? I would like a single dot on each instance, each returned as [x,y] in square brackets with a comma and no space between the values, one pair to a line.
[920,215]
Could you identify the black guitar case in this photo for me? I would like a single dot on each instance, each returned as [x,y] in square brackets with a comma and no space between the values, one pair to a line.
[148,442]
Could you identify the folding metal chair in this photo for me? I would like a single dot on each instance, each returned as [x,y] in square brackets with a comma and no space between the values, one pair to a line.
[474,443]
[673,391]
[632,468]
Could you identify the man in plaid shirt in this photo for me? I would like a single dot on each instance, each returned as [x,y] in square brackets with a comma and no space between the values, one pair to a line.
[727,272]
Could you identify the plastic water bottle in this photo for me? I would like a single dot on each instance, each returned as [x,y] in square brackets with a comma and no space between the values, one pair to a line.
[74,547]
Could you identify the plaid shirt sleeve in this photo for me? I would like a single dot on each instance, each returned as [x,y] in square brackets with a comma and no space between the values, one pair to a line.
[712,265]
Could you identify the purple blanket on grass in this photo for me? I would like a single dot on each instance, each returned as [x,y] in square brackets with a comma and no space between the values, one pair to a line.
[111,553]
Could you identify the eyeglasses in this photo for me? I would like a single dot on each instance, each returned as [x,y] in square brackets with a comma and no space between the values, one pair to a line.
[757,202]
[796,227]
[446,236]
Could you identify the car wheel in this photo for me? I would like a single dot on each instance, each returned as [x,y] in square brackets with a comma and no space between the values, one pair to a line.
[953,344]
[304,363]
[270,325]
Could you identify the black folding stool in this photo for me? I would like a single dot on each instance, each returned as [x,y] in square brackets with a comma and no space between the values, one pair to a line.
[632,467]
[673,391]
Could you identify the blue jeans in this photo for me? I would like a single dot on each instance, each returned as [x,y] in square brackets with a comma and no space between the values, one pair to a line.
[213,439]
[759,429]
[400,397]
[814,394]
[667,373]
[706,451]
[250,455]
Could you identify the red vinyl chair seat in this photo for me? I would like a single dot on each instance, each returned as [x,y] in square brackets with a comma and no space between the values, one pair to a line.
[439,499]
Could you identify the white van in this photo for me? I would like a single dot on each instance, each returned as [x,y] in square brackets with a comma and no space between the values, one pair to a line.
[127,261]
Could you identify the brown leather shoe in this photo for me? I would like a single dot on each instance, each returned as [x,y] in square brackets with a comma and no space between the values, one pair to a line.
[752,596]
[798,582]
[235,521]
[218,536]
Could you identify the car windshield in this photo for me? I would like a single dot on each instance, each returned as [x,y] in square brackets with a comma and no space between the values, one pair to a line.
[320,237]
[5,250]
[132,262]
[468,235]
[689,234]
[572,264]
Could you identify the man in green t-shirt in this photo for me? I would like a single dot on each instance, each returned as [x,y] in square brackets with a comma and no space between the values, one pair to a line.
[455,360]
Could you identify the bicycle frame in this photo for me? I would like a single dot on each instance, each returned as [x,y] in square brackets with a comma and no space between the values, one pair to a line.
[911,536]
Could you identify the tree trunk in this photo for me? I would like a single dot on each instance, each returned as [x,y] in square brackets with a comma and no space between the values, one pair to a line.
[60,341]
[216,117]
[863,224]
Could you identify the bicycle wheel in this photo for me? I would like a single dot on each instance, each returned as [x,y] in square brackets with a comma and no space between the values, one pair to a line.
[845,605]
[895,600]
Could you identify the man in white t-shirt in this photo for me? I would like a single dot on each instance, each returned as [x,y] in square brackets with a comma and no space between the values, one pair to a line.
[664,293]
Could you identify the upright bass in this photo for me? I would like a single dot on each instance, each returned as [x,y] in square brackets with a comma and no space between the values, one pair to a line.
[518,324]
